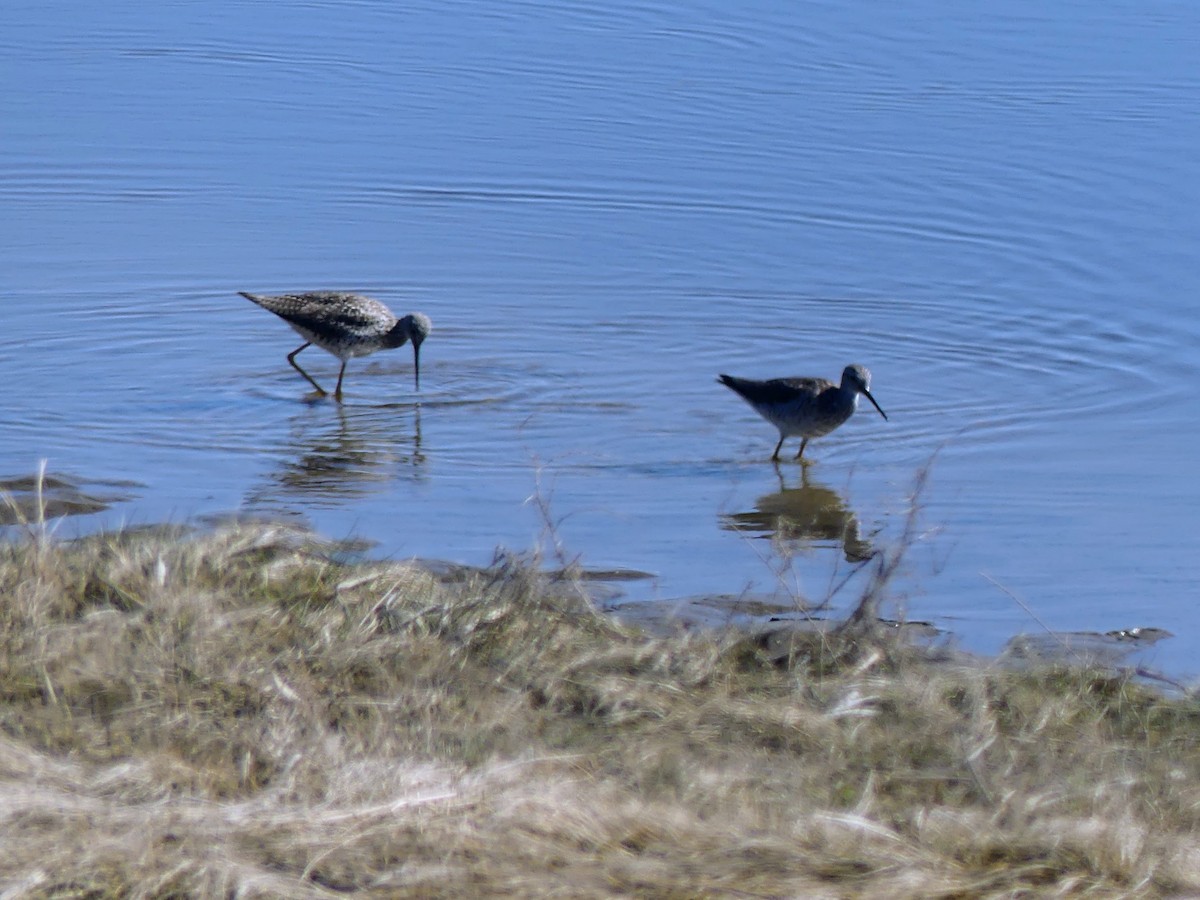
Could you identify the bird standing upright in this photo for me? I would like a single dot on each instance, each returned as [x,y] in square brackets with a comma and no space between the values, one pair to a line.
[346,325]
[804,407]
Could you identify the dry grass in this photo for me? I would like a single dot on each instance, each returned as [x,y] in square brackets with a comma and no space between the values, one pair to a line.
[240,714]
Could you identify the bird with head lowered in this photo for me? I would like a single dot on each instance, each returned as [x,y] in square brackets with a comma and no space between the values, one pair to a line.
[346,325]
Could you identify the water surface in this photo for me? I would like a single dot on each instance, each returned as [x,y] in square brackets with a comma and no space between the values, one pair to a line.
[601,207]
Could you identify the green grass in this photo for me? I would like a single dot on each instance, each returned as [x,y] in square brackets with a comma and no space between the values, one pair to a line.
[240,712]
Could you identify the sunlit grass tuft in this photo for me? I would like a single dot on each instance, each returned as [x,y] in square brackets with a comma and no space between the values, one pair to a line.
[242,712]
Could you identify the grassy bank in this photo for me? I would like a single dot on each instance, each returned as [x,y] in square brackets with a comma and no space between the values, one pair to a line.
[239,713]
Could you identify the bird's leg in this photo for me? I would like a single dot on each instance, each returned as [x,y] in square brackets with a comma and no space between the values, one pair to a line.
[779,474]
[338,391]
[778,446]
[803,444]
[296,366]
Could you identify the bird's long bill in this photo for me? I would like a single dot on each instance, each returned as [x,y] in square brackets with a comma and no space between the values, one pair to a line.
[867,394]
[417,364]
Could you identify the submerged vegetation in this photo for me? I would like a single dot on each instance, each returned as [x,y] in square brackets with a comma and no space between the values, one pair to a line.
[242,712]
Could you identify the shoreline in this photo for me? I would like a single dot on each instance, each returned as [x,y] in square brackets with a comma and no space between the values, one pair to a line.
[242,711]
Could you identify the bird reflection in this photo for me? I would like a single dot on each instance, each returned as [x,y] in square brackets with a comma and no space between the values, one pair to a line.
[339,453]
[810,512]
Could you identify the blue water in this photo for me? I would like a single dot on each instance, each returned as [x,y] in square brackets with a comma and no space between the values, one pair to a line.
[994,207]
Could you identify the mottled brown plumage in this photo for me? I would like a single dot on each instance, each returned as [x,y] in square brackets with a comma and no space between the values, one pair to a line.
[346,325]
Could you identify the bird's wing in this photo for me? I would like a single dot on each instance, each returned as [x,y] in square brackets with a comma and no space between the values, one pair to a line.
[776,391]
[326,311]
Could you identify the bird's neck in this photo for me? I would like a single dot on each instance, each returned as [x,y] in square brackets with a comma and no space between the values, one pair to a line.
[397,336]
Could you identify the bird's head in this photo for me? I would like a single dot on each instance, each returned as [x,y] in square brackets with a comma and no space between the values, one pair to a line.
[417,327]
[859,378]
